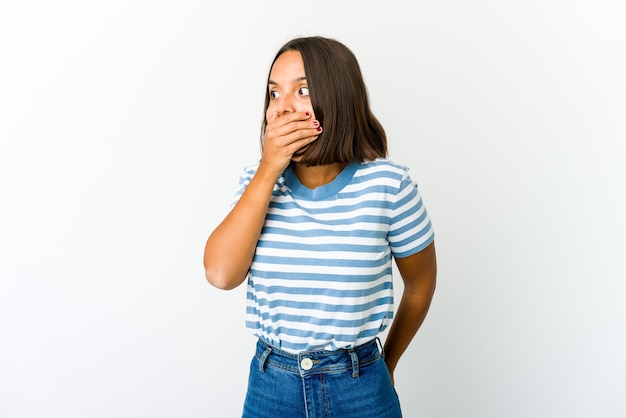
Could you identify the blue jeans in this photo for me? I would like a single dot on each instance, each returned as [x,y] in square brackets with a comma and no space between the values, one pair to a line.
[351,383]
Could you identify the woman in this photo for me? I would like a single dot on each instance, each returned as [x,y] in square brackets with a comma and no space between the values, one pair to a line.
[314,228]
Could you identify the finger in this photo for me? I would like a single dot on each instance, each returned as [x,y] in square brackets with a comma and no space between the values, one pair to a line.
[272,117]
[303,140]
[286,118]
[301,137]
[300,152]
[294,131]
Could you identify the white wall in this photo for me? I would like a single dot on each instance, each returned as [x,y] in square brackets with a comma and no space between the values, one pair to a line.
[124,126]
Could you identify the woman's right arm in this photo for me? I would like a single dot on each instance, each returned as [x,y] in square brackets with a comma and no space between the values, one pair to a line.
[230,248]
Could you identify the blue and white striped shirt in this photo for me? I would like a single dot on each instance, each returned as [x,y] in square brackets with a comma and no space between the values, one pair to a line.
[321,274]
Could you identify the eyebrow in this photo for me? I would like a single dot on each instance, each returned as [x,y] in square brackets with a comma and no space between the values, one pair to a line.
[275,83]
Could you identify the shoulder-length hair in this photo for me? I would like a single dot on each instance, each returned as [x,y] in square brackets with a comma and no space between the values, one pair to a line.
[340,102]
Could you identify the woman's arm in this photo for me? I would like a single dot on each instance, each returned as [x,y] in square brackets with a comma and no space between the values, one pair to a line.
[419,273]
[230,248]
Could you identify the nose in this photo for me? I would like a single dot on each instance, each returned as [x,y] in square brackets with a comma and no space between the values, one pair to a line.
[285,105]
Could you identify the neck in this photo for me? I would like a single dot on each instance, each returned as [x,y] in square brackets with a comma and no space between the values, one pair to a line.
[316,176]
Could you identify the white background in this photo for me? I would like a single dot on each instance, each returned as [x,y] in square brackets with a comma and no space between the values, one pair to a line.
[124,126]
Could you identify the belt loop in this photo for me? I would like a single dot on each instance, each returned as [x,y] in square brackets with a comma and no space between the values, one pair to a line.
[355,363]
[380,347]
[263,357]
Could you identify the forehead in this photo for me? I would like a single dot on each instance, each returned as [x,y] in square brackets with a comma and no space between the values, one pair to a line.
[287,67]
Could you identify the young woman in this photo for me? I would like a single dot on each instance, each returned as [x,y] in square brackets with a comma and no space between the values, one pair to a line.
[314,228]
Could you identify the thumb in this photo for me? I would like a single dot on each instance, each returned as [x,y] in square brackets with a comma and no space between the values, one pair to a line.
[272,117]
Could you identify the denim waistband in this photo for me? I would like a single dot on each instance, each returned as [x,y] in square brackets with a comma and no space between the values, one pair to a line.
[318,362]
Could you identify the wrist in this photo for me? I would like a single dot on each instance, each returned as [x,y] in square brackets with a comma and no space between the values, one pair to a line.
[265,172]
[268,171]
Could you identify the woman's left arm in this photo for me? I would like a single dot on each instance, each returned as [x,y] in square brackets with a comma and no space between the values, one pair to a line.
[419,273]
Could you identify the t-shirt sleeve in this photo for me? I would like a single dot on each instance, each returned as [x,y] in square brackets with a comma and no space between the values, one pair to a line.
[410,230]
[244,180]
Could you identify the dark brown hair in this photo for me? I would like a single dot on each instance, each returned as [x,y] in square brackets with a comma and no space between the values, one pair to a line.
[340,102]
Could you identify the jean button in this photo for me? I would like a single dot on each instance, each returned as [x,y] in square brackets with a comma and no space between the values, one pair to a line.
[306,364]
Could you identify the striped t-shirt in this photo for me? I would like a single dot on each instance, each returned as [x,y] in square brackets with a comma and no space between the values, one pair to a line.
[321,274]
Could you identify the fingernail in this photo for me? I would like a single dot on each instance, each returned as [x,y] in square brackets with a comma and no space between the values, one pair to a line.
[319,129]
[307,114]
[316,123]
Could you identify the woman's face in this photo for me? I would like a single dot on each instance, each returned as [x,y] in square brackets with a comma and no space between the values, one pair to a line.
[287,86]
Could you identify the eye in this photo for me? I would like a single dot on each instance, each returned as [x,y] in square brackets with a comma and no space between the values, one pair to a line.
[303,91]
[273,94]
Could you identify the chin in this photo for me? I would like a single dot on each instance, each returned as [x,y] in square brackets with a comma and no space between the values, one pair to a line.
[299,155]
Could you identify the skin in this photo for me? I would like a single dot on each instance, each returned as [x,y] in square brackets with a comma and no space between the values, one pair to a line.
[291,127]
[419,275]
